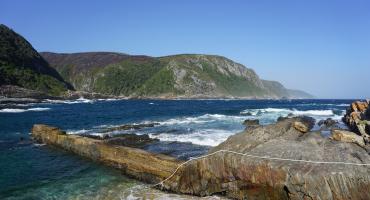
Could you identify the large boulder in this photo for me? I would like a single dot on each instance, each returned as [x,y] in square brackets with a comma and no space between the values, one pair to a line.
[356,118]
[347,136]
[277,162]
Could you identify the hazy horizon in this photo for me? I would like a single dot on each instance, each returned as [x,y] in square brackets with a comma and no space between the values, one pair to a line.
[319,47]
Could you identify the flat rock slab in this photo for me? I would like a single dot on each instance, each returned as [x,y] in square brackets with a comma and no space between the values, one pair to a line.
[302,173]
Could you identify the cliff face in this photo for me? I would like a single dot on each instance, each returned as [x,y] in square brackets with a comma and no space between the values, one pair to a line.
[22,65]
[187,75]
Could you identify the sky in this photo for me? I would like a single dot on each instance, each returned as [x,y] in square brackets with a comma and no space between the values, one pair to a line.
[319,46]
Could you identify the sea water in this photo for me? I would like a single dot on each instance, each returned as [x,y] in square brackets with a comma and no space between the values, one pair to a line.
[185,128]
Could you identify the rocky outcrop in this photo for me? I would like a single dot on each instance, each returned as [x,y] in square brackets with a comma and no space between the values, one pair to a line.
[251,122]
[134,162]
[130,127]
[357,119]
[266,162]
[256,172]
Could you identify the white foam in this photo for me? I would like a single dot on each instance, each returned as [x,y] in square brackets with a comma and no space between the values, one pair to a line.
[314,112]
[206,137]
[17,110]
[287,111]
[10,110]
[38,109]
[76,132]
[79,100]
[202,119]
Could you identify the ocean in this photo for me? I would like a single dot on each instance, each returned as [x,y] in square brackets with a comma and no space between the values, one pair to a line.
[185,128]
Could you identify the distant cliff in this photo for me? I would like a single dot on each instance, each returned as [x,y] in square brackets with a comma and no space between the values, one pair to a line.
[22,65]
[187,76]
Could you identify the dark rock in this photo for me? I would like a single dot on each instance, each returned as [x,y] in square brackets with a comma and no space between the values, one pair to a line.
[251,122]
[129,127]
[281,118]
[130,140]
[329,122]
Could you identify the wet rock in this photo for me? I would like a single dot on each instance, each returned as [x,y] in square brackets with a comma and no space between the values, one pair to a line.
[304,124]
[129,127]
[281,118]
[347,136]
[327,122]
[251,122]
[130,140]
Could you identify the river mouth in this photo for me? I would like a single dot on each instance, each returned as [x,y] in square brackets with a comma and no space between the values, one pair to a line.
[186,129]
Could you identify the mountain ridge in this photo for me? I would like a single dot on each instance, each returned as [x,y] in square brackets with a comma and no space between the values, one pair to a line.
[180,75]
[132,76]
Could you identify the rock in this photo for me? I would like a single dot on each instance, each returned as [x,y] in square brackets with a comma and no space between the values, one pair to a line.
[347,136]
[281,118]
[130,140]
[129,127]
[251,122]
[304,124]
[356,118]
[137,163]
[300,127]
[253,177]
[359,106]
[16,93]
[329,122]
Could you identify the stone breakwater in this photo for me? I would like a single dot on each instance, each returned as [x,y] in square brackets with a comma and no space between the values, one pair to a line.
[277,161]
[136,163]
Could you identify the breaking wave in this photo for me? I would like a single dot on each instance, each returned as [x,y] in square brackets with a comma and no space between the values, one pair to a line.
[205,137]
[18,110]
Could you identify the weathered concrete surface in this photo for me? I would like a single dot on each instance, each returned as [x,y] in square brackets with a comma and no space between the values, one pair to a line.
[244,177]
[139,164]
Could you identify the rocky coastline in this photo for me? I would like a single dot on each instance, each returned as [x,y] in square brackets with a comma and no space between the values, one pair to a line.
[286,160]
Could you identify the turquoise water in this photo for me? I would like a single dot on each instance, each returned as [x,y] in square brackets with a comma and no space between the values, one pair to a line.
[186,128]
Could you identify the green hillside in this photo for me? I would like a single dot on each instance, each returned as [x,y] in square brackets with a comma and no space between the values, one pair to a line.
[22,65]
[187,75]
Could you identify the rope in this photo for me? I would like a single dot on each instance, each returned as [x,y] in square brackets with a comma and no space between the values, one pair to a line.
[259,157]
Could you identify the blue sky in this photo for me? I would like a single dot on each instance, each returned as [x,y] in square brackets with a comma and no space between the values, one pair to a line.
[322,47]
